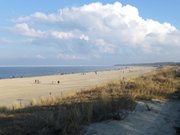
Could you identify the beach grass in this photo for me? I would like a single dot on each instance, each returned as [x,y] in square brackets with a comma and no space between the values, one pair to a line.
[68,115]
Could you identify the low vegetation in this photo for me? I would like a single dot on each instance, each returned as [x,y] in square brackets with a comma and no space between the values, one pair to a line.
[67,116]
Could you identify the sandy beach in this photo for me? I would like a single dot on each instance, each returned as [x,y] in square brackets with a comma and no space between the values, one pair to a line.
[25,89]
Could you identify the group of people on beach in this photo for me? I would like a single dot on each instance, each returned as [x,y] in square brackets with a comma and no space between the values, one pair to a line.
[58,82]
[85,73]
[38,82]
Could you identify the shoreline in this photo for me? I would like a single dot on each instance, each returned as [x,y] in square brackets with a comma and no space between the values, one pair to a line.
[62,73]
[67,73]
[25,88]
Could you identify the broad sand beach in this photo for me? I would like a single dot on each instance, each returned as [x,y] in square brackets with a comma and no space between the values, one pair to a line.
[25,89]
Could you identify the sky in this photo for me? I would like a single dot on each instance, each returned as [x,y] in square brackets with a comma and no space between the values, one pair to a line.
[89,32]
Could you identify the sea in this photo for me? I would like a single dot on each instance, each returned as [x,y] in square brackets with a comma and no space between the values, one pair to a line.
[20,72]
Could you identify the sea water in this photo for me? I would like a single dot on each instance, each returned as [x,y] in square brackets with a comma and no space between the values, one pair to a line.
[19,72]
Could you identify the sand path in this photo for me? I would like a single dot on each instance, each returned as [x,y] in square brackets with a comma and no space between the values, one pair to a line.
[162,119]
[24,88]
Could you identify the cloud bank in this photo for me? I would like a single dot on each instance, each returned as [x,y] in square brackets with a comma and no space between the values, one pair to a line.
[100,30]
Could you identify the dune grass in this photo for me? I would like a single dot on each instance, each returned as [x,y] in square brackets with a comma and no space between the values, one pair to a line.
[68,116]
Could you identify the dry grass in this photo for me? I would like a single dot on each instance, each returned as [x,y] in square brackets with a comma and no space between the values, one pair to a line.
[66,116]
[159,85]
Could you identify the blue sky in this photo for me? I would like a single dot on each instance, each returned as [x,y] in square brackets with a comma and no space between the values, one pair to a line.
[161,10]
[88,32]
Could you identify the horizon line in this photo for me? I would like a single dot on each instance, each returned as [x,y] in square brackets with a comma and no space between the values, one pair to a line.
[50,65]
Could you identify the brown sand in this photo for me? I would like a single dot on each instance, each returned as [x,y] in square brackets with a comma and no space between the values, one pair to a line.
[25,88]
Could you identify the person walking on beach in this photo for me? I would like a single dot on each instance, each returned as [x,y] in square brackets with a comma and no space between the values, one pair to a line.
[58,82]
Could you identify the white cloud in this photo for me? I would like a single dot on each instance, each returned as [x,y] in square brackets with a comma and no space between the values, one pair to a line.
[108,28]
[84,37]
[24,29]
[63,56]
[38,16]
[62,35]
[38,56]
[104,47]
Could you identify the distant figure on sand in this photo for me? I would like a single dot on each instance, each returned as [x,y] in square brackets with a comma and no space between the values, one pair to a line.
[95,72]
[58,82]
[36,81]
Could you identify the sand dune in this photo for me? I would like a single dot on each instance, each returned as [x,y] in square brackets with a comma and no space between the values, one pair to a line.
[25,88]
[161,119]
